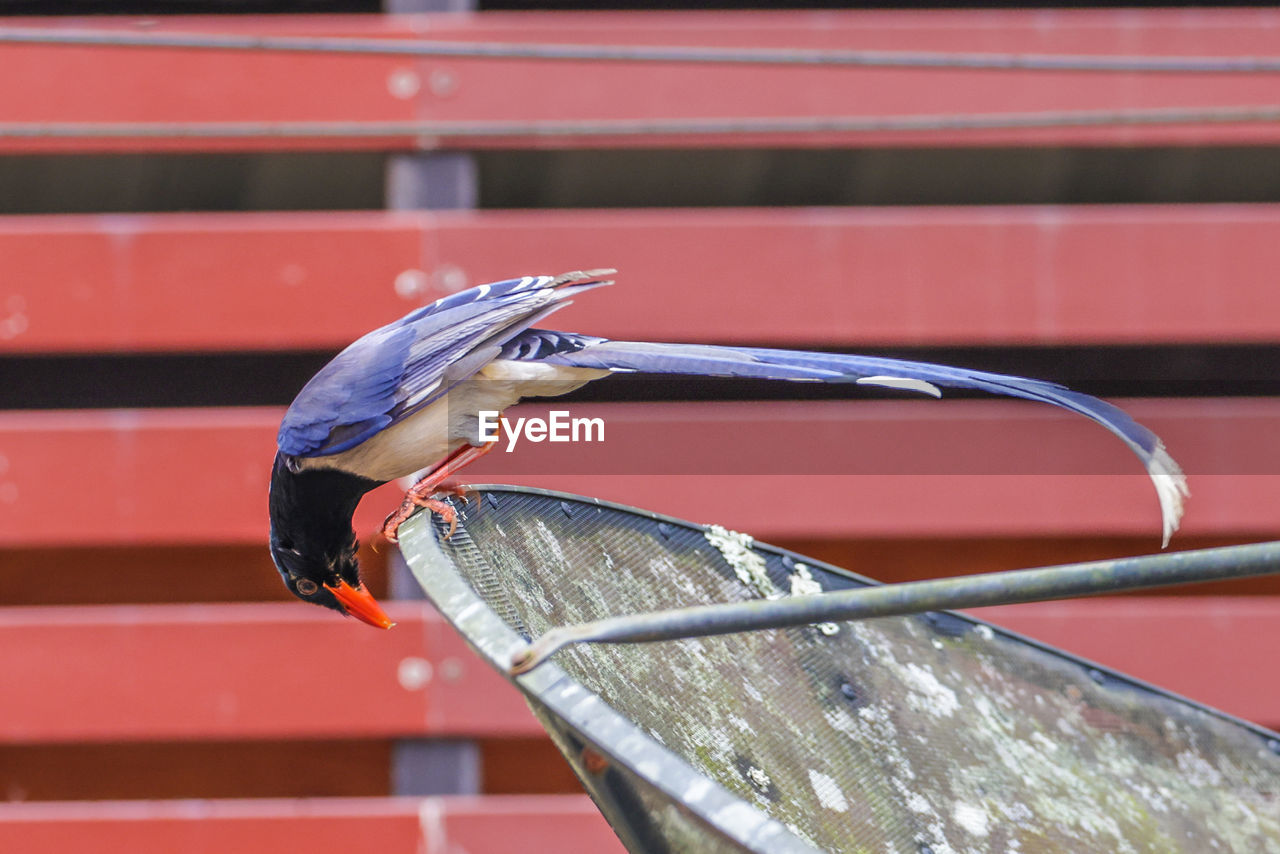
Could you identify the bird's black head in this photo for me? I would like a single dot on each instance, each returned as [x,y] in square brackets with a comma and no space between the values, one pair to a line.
[312,543]
[312,576]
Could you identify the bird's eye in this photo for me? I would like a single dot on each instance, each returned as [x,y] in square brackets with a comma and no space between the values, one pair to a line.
[306,586]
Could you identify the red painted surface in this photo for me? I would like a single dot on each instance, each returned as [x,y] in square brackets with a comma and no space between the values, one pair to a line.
[861,468]
[797,276]
[121,673]
[83,84]
[877,469]
[210,672]
[1216,650]
[543,824]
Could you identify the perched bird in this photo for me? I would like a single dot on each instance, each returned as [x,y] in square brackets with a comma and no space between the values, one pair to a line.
[407,396]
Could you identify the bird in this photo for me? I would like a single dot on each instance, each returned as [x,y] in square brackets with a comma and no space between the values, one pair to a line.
[407,397]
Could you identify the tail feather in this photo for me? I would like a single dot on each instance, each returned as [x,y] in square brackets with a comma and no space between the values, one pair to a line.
[799,366]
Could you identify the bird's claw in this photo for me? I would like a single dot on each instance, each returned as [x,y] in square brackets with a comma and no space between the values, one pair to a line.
[419,495]
[410,505]
[459,490]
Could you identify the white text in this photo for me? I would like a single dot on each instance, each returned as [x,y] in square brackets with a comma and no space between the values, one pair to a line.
[558,426]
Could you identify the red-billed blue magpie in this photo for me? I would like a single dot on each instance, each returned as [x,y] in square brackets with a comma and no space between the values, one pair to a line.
[407,396]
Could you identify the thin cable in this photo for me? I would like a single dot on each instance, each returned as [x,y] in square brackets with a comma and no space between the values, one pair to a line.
[653,53]
[1253,114]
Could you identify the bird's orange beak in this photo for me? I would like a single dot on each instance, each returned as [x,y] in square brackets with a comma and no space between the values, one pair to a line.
[360,604]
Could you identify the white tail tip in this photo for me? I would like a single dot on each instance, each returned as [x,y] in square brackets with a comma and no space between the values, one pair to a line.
[1171,489]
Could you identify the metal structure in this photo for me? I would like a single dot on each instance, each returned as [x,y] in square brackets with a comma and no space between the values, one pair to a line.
[499,71]
[926,733]
[641,53]
[128,726]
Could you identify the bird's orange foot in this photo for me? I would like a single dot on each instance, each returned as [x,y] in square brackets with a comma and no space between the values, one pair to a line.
[465,491]
[410,505]
[419,495]
[413,499]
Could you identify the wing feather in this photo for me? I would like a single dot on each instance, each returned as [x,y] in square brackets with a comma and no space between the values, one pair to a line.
[396,370]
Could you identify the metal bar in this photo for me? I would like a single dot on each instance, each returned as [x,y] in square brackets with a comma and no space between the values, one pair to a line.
[432,180]
[892,600]
[87,83]
[429,133]
[436,766]
[653,53]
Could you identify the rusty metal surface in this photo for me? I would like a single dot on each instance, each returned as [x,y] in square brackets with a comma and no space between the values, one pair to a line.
[906,734]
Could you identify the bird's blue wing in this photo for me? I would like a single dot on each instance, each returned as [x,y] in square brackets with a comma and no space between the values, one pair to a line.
[398,369]
[350,398]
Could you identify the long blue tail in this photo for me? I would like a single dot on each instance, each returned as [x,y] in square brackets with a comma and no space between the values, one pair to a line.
[799,366]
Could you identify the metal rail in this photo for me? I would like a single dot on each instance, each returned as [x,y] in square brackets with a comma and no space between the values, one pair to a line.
[892,600]
[651,53]
[435,130]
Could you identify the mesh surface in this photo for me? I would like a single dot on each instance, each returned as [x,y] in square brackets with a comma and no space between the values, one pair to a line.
[654,822]
[918,734]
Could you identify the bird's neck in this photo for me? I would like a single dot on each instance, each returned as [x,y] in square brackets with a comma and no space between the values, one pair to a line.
[315,505]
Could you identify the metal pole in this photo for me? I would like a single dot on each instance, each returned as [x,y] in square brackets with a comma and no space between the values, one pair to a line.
[430,132]
[892,600]
[639,53]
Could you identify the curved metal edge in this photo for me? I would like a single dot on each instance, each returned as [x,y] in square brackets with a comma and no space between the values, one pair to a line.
[609,732]
[1270,738]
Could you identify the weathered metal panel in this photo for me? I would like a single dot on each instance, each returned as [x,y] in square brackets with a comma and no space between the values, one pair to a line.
[899,734]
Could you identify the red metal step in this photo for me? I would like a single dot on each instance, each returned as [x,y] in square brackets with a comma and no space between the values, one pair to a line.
[883,468]
[543,824]
[242,671]
[1080,275]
